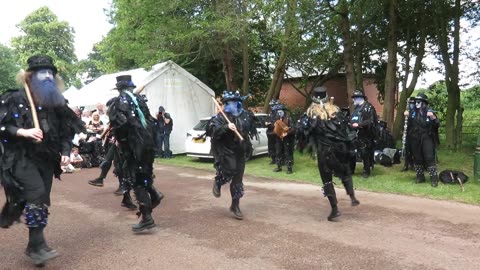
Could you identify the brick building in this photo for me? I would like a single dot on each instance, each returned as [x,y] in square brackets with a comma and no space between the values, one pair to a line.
[336,87]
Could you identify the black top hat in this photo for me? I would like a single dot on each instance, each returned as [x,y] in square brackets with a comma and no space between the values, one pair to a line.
[319,92]
[358,93]
[422,97]
[124,81]
[41,61]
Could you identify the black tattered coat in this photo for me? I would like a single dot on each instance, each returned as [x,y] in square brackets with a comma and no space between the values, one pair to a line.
[58,125]
[136,140]
[229,152]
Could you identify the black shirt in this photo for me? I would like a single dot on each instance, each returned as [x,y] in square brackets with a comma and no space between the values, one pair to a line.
[162,127]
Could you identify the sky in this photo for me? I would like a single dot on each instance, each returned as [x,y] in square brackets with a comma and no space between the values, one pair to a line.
[90,23]
[87,18]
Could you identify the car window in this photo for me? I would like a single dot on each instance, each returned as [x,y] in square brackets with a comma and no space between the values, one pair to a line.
[260,121]
[201,126]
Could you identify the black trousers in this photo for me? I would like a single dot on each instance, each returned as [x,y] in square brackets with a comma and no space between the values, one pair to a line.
[334,159]
[365,148]
[284,150]
[36,179]
[272,139]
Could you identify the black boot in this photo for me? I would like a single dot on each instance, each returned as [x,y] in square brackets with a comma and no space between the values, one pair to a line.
[334,213]
[216,190]
[348,184]
[127,201]
[420,178]
[354,200]
[273,160]
[278,168]
[432,170]
[366,173]
[37,248]
[98,182]
[289,166]
[147,221]
[105,167]
[329,192]
[434,181]
[235,209]
[118,191]
[155,196]
[405,168]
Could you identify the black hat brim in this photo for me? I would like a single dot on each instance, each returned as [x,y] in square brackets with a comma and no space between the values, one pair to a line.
[232,99]
[121,86]
[38,67]
[421,99]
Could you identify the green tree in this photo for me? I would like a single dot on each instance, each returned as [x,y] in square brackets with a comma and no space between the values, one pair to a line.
[446,19]
[42,32]
[471,97]
[91,68]
[438,99]
[414,29]
[8,68]
[208,38]
[287,39]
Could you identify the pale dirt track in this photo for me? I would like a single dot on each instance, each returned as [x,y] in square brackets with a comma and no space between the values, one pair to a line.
[285,227]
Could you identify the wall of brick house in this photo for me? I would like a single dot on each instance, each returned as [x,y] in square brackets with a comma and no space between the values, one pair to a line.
[337,88]
[371,92]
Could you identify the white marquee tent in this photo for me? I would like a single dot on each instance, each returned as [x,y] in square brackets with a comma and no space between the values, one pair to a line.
[70,92]
[182,95]
[102,89]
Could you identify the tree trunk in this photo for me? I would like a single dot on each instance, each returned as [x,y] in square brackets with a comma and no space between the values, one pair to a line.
[275,85]
[407,91]
[245,52]
[451,69]
[228,69]
[390,77]
[347,49]
[359,44]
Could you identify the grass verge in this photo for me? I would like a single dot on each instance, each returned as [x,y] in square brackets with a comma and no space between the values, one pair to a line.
[383,179]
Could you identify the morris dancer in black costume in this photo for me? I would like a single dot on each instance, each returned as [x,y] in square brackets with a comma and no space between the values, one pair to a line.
[271,137]
[363,119]
[113,156]
[133,126]
[228,149]
[284,130]
[333,138]
[32,154]
[423,127]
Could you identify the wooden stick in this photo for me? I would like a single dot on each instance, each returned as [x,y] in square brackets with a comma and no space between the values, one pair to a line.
[459,181]
[226,118]
[36,124]
[139,89]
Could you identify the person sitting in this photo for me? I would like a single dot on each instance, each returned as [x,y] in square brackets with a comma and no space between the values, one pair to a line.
[76,161]
[75,158]
[96,125]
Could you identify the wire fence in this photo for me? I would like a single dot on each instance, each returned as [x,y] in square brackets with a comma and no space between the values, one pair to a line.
[469,136]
